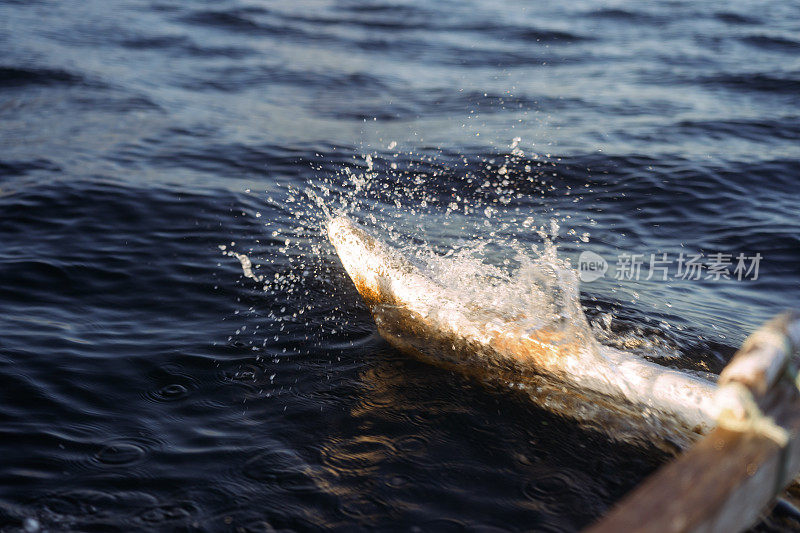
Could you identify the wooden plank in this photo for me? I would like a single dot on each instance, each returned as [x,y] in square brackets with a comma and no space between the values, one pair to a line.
[765,354]
[722,484]
[725,481]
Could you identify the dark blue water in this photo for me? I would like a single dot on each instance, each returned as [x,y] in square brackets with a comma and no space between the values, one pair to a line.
[145,383]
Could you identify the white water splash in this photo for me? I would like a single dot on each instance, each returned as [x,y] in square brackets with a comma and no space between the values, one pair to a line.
[466,226]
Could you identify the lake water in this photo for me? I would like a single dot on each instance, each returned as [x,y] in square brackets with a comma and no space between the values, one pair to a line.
[147,383]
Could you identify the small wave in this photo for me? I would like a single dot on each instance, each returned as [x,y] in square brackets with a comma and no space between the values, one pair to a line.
[757,130]
[541,35]
[157,42]
[409,104]
[182,44]
[623,15]
[178,513]
[243,21]
[21,77]
[398,15]
[736,18]
[239,78]
[390,8]
[788,83]
[21,168]
[232,20]
[772,42]
[414,19]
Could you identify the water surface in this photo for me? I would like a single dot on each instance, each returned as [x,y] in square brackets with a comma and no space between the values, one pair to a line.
[148,384]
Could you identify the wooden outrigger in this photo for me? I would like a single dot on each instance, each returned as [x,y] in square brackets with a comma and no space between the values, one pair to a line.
[725,481]
[751,418]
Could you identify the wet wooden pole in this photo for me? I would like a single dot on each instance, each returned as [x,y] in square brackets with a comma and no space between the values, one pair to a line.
[725,481]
